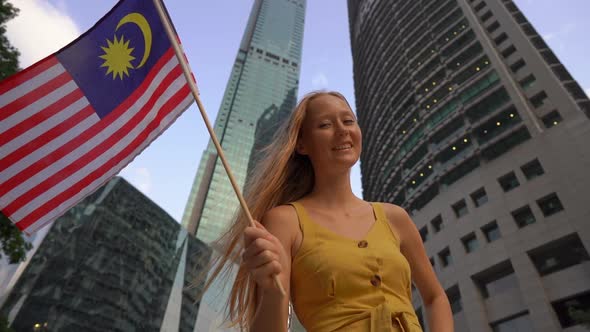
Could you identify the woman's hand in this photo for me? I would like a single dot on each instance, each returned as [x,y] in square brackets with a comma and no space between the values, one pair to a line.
[262,256]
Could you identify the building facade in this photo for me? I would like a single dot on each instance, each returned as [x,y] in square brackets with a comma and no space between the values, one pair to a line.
[265,76]
[472,124]
[114,262]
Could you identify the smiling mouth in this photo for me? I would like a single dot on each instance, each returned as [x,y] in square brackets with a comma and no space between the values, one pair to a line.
[343,147]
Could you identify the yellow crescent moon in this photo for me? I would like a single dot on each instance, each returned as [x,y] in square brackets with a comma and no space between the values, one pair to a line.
[144,26]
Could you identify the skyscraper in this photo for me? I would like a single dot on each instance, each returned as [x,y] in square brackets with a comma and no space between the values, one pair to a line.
[114,262]
[265,75]
[472,124]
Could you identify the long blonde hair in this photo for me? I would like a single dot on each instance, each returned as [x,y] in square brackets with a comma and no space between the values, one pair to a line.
[280,177]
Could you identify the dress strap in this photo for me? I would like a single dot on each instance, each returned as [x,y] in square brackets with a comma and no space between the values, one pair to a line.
[380,214]
[302,216]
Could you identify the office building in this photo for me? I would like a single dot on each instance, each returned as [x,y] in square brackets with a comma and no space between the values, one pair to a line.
[473,125]
[264,77]
[114,262]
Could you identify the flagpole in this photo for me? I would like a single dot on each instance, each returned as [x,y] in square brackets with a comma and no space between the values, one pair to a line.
[187,74]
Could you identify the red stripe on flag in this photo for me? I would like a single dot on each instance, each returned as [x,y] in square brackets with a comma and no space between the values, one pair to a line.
[39,117]
[26,74]
[35,95]
[46,137]
[88,134]
[167,108]
[88,156]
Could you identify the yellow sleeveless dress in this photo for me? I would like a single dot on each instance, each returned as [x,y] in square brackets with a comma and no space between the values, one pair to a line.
[341,284]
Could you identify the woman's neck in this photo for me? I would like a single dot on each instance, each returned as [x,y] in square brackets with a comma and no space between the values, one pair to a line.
[333,190]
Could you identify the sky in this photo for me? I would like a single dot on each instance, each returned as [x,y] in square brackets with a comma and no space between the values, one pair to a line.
[211,31]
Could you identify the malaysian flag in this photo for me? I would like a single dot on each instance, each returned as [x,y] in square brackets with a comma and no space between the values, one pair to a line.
[73,120]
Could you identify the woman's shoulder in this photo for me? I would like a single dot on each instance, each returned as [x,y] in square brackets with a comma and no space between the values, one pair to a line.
[280,213]
[282,222]
[390,208]
[399,219]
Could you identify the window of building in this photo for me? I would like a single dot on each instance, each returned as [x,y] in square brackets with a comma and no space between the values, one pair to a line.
[479,197]
[424,233]
[486,16]
[460,171]
[552,119]
[491,103]
[437,223]
[445,257]
[570,311]
[470,242]
[460,208]
[519,18]
[539,43]
[539,99]
[508,51]
[507,142]
[497,279]
[515,67]
[493,27]
[532,169]
[519,322]
[527,82]
[508,181]
[479,6]
[550,204]
[454,296]
[524,216]
[491,231]
[498,40]
[559,254]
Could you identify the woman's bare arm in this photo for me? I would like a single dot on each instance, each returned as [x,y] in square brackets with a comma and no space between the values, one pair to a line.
[281,223]
[438,309]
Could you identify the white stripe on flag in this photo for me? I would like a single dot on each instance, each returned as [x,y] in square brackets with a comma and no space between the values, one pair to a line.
[69,203]
[33,181]
[99,160]
[39,105]
[43,127]
[31,84]
[49,147]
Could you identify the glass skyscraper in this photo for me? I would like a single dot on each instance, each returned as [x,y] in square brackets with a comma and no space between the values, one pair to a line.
[472,124]
[265,76]
[114,262]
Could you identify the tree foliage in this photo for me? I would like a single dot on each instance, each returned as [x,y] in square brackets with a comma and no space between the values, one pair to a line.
[12,243]
[8,54]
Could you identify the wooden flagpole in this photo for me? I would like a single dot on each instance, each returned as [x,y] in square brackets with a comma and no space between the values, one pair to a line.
[187,74]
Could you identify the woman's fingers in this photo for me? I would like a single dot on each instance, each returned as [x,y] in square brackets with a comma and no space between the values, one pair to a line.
[261,255]
[265,273]
[253,233]
[262,258]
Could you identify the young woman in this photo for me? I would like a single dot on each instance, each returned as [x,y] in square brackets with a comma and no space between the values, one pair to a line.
[346,264]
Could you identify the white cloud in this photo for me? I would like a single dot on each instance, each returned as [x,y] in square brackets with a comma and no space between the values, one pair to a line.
[548,36]
[39,30]
[319,81]
[139,177]
[587,92]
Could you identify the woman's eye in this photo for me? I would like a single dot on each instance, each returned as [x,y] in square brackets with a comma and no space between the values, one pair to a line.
[349,121]
[324,125]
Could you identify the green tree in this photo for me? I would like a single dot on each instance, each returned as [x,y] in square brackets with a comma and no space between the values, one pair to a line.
[8,54]
[12,243]
[14,246]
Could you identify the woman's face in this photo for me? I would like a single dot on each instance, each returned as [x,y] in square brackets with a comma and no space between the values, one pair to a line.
[330,135]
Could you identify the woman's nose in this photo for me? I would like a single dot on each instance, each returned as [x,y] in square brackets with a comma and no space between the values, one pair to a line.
[343,130]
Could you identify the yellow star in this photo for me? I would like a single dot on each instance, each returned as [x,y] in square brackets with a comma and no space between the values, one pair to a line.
[117,57]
